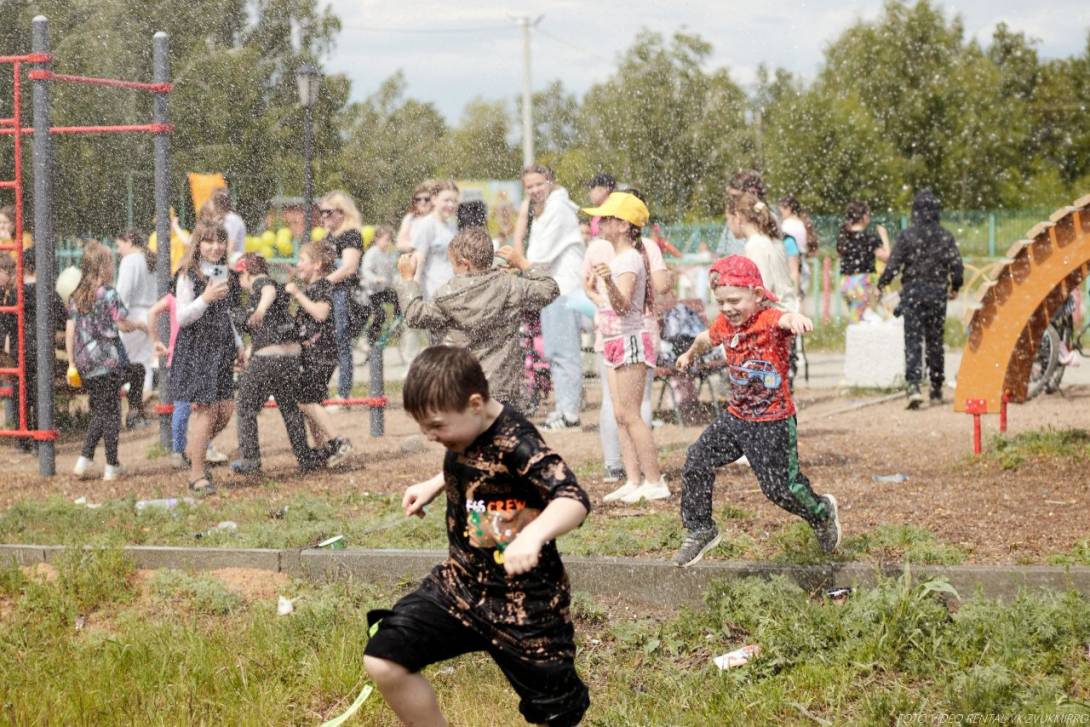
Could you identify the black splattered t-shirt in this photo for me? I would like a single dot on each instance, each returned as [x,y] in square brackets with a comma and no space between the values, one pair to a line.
[501,482]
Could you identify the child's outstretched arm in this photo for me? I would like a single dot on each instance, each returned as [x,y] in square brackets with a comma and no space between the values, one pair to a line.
[417,496]
[797,323]
[701,345]
[560,516]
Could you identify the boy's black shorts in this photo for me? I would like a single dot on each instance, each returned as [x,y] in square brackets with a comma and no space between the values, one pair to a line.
[315,383]
[418,632]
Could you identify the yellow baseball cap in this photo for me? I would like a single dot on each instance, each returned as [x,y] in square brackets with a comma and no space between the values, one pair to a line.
[623,206]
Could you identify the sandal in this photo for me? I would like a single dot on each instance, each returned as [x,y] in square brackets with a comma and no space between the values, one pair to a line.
[203,486]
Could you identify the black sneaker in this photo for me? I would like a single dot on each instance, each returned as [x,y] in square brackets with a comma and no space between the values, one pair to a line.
[915,398]
[695,545]
[934,397]
[339,449]
[246,466]
[135,420]
[828,532]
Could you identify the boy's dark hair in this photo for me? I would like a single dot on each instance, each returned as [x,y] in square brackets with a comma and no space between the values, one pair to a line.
[474,246]
[441,379]
[602,180]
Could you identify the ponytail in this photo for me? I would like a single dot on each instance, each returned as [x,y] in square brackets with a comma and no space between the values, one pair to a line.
[648,288]
[137,239]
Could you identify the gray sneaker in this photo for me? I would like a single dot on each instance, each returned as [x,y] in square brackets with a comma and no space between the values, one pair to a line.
[828,532]
[695,545]
[915,398]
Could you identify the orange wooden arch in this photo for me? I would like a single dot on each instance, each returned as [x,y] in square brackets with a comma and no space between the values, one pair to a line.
[1017,305]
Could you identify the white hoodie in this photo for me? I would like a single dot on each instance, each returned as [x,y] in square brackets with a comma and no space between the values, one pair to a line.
[555,241]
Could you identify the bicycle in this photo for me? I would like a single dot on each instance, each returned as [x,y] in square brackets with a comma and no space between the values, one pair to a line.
[1060,347]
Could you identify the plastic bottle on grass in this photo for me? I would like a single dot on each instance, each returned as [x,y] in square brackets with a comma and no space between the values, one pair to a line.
[164,503]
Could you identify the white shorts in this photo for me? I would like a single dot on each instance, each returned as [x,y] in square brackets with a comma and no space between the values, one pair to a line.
[636,348]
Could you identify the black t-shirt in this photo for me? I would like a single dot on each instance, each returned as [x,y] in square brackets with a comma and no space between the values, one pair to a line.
[319,337]
[856,249]
[345,240]
[277,326]
[496,487]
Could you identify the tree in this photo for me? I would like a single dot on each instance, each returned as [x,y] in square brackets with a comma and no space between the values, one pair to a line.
[478,147]
[391,144]
[664,125]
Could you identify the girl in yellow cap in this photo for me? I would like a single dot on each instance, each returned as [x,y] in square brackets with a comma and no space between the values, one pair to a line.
[623,292]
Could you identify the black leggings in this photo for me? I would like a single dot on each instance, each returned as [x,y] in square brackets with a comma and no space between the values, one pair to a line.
[281,378]
[134,376]
[770,447]
[105,404]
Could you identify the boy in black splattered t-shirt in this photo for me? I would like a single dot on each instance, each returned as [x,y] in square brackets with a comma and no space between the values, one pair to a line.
[504,589]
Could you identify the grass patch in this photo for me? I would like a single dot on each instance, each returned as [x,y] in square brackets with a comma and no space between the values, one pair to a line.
[902,542]
[892,650]
[1011,452]
[1079,555]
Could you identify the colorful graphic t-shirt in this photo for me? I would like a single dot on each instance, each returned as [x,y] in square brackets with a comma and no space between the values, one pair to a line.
[498,485]
[757,354]
[98,350]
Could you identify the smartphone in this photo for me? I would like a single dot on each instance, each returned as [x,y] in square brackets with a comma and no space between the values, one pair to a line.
[214,272]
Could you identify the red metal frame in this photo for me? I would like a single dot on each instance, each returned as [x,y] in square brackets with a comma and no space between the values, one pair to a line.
[11,127]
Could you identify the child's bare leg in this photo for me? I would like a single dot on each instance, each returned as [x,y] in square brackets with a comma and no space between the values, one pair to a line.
[222,416]
[637,442]
[320,423]
[200,430]
[409,695]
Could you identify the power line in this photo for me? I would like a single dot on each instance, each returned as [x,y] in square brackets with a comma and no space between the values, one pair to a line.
[573,46]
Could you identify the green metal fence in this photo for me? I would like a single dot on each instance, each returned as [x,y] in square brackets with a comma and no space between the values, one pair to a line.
[980,233]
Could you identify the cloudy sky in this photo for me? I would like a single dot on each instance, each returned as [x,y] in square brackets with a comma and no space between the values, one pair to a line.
[455,50]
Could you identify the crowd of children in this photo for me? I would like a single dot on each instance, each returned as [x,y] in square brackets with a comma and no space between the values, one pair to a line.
[503,589]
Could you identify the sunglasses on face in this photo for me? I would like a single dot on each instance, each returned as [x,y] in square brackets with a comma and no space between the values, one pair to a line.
[421,199]
[327,212]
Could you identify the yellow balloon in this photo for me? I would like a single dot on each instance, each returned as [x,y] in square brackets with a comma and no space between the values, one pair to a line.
[368,234]
[282,235]
[266,251]
[252,244]
[318,233]
[285,247]
[268,237]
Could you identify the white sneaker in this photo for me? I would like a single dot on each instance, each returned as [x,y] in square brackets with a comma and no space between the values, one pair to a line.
[742,461]
[648,491]
[214,456]
[621,492]
[112,472]
[82,468]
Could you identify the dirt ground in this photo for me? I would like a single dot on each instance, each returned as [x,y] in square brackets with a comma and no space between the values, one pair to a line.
[996,515]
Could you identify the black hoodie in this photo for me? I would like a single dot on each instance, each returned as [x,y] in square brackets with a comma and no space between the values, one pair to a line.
[925,253]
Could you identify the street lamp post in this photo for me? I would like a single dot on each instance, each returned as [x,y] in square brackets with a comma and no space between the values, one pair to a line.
[308,79]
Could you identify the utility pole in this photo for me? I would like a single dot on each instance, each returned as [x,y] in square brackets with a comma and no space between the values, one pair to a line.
[527,92]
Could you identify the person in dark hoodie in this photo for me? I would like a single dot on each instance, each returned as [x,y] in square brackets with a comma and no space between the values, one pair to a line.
[928,260]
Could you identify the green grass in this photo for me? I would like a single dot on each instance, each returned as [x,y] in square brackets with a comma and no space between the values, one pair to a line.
[375,521]
[1011,452]
[170,655]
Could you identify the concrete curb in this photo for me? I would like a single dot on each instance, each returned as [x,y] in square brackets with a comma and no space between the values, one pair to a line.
[654,582]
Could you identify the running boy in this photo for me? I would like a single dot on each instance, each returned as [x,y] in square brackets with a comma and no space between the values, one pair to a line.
[759,422]
[503,589]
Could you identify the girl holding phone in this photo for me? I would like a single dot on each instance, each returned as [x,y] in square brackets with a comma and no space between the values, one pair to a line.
[207,345]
